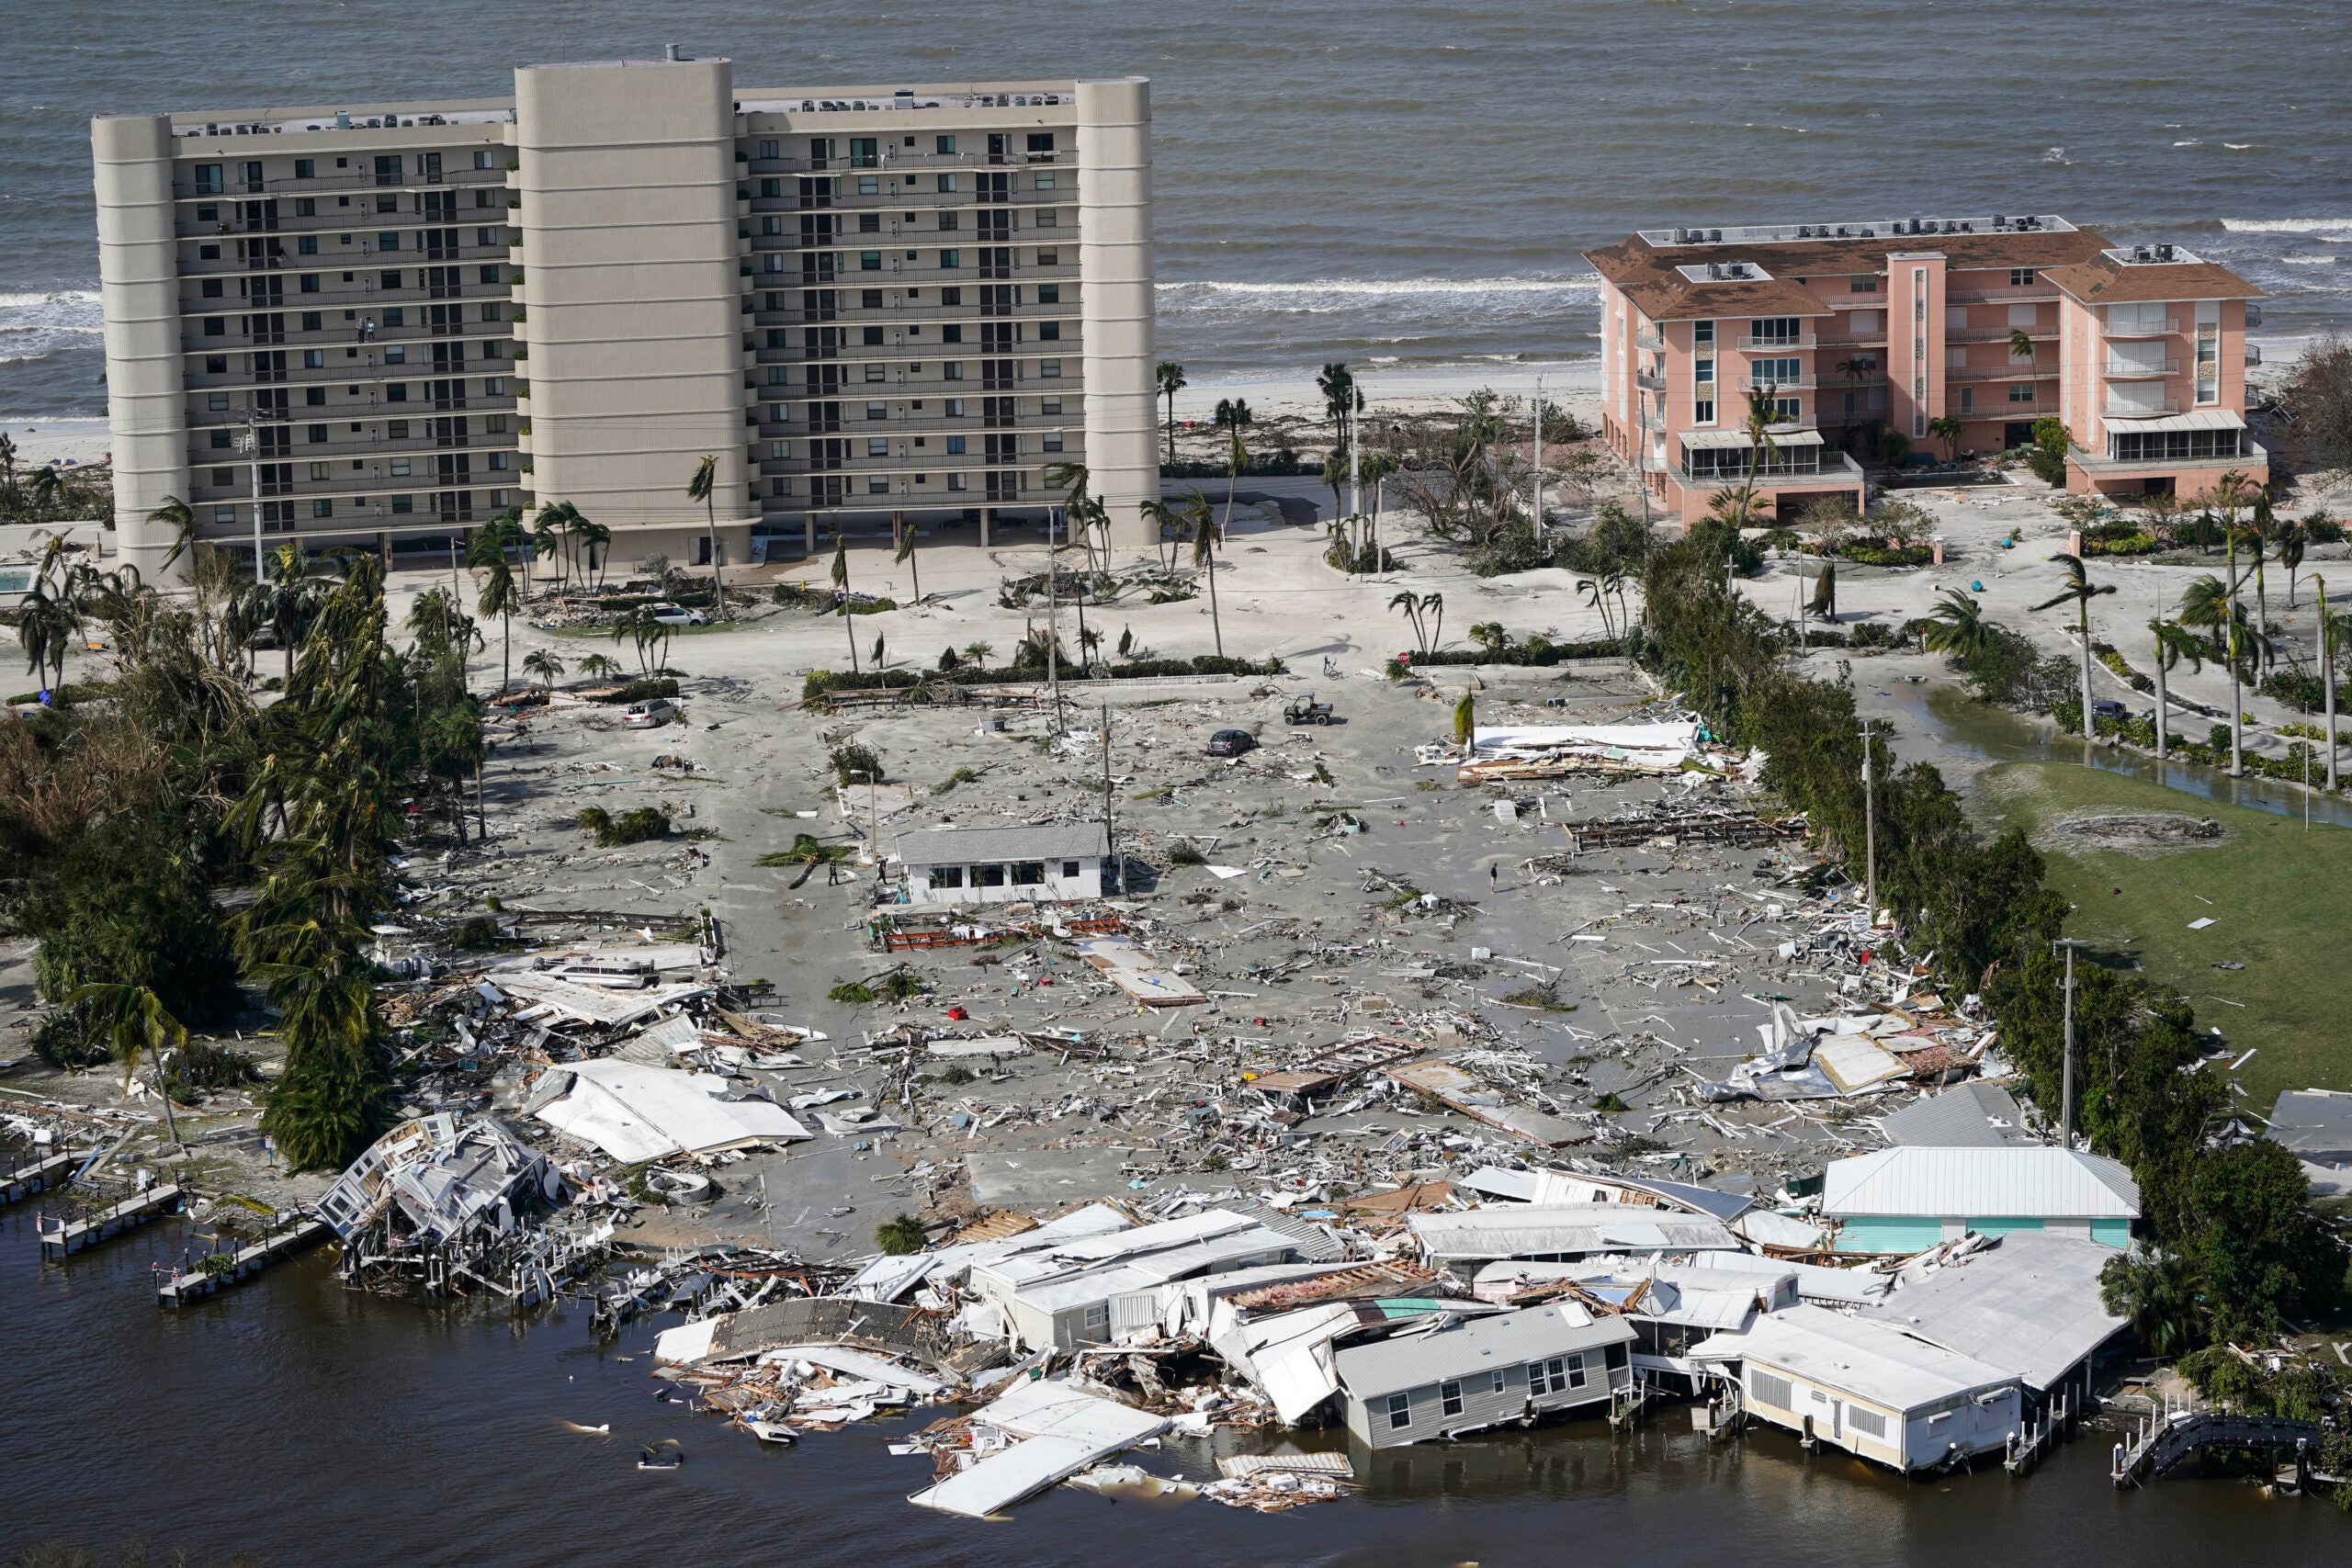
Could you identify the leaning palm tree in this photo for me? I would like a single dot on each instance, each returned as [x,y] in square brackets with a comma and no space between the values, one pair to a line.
[1433,606]
[2079,592]
[2292,542]
[550,532]
[1171,381]
[700,488]
[1408,604]
[1168,527]
[2021,344]
[907,554]
[1957,627]
[131,1019]
[1596,592]
[1946,429]
[180,518]
[46,627]
[546,665]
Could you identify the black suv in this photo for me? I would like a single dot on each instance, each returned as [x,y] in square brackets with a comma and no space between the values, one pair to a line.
[1231,742]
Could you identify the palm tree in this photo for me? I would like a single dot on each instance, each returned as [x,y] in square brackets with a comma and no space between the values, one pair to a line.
[1434,605]
[840,586]
[1957,627]
[2079,592]
[287,603]
[47,625]
[2291,543]
[131,1018]
[2021,344]
[979,653]
[595,536]
[1341,399]
[597,667]
[1763,410]
[1171,381]
[180,518]
[1596,594]
[2175,642]
[1204,538]
[906,554]
[549,532]
[2237,628]
[1945,428]
[700,488]
[1409,604]
[1824,602]
[1335,472]
[2328,630]
[546,665]
[2261,525]
[499,597]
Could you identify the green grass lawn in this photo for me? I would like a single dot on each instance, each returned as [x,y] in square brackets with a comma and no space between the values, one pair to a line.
[2277,897]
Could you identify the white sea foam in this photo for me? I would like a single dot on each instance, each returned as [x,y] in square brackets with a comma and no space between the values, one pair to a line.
[1374,287]
[2307,260]
[2287,225]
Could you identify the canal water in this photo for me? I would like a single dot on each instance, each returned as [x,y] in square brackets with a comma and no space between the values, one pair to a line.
[310,1424]
[1937,723]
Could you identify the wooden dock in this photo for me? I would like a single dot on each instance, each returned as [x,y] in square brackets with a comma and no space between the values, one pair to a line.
[60,1237]
[25,1180]
[2170,1440]
[219,1270]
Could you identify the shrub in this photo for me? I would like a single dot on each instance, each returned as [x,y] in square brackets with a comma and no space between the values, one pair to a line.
[1186,854]
[1875,634]
[200,1065]
[65,1040]
[643,691]
[852,762]
[852,992]
[902,985]
[632,827]
[899,1236]
[2048,457]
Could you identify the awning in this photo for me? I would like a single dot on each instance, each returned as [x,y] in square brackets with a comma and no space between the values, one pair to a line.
[2203,419]
[1698,440]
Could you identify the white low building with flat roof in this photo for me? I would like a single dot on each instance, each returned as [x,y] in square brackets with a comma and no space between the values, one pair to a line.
[1059,861]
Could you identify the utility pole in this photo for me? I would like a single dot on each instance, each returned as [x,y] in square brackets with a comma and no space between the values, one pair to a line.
[1108,856]
[2066,1067]
[1869,829]
[1053,622]
[1539,465]
[1355,470]
[251,441]
[2327,675]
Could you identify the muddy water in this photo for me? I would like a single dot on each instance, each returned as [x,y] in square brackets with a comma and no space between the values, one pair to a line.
[317,1427]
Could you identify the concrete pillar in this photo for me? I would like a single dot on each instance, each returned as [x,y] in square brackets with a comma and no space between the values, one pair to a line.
[138,285]
[632,282]
[1115,305]
[988,527]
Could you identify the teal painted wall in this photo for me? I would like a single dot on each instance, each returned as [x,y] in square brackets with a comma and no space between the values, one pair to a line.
[1888,1233]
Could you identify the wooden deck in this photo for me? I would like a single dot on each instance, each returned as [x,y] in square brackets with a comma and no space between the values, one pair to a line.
[60,1237]
[209,1276]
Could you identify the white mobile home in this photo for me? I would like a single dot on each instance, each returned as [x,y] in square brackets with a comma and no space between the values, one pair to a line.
[1864,1387]
[1057,862]
[1093,1290]
[1483,1371]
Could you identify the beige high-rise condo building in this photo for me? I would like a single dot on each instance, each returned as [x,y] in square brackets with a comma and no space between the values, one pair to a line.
[876,307]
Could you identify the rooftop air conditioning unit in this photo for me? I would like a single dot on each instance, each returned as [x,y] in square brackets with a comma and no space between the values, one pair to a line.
[1681,236]
[2164,253]
[1715,236]
[1714,269]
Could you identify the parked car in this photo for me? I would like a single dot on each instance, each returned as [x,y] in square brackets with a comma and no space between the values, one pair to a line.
[1231,742]
[652,714]
[679,615]
[2103,708]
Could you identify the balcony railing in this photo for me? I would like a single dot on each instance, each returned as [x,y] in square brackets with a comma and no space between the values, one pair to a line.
[2253,455]
[2023,370]
[1656,421]
[2252,354]
[1752,343]
[1648,337]
[1999,334]
[1798,383]
[2144,407]
[1650,380]
[2165,328]
[2129,370]
[1836,468]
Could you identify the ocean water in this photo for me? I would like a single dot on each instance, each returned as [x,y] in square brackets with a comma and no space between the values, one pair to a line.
[1400,185]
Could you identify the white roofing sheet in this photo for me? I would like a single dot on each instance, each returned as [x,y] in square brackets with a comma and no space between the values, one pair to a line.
[2023,1183]
[1066,1430]
[635,1112]
[592,1004]
[859,1364]
[1815,1281]
[1526,1230]
[1853,1356]
[986,846]
[1491,740]
[2196,418]
[1147,1271]
[2028,1304]
[1723,440]
[1856,1062]
[1477,1345]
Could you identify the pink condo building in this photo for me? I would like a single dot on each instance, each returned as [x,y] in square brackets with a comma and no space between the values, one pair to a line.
[1890,326]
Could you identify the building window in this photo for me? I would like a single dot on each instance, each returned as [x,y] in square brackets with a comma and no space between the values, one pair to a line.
[1045,179]
[1703,411]
[867,261]
[207,179]
[1028,873]
[1968,399]
[490,274]
[306,245]
[1070,868]
[952,370]
[2021,391]
[322,507]
[771,150]
[2021,278]
[1049,369]
[216,326]
[398,467]
[951,258]
[387,240]
[955,445]
[875,373]
[1098,1315]
[1051,441]
[1766,1389]
[1049,332]
[1702,333]
[877,411]
[988,877]
[877,484]
[217,403]
[945,144]
[947,876]
[314,358]
[1576,1372]
[403,504]
[870,185]
[221,437]
[869,223]
[1400,1411]
[314,397]
[210,288]
[1862,283]
[317,434]
[224,515]
[1776,330]
[1868,1421]
[1449,1396]
[958,482]
[878,445]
